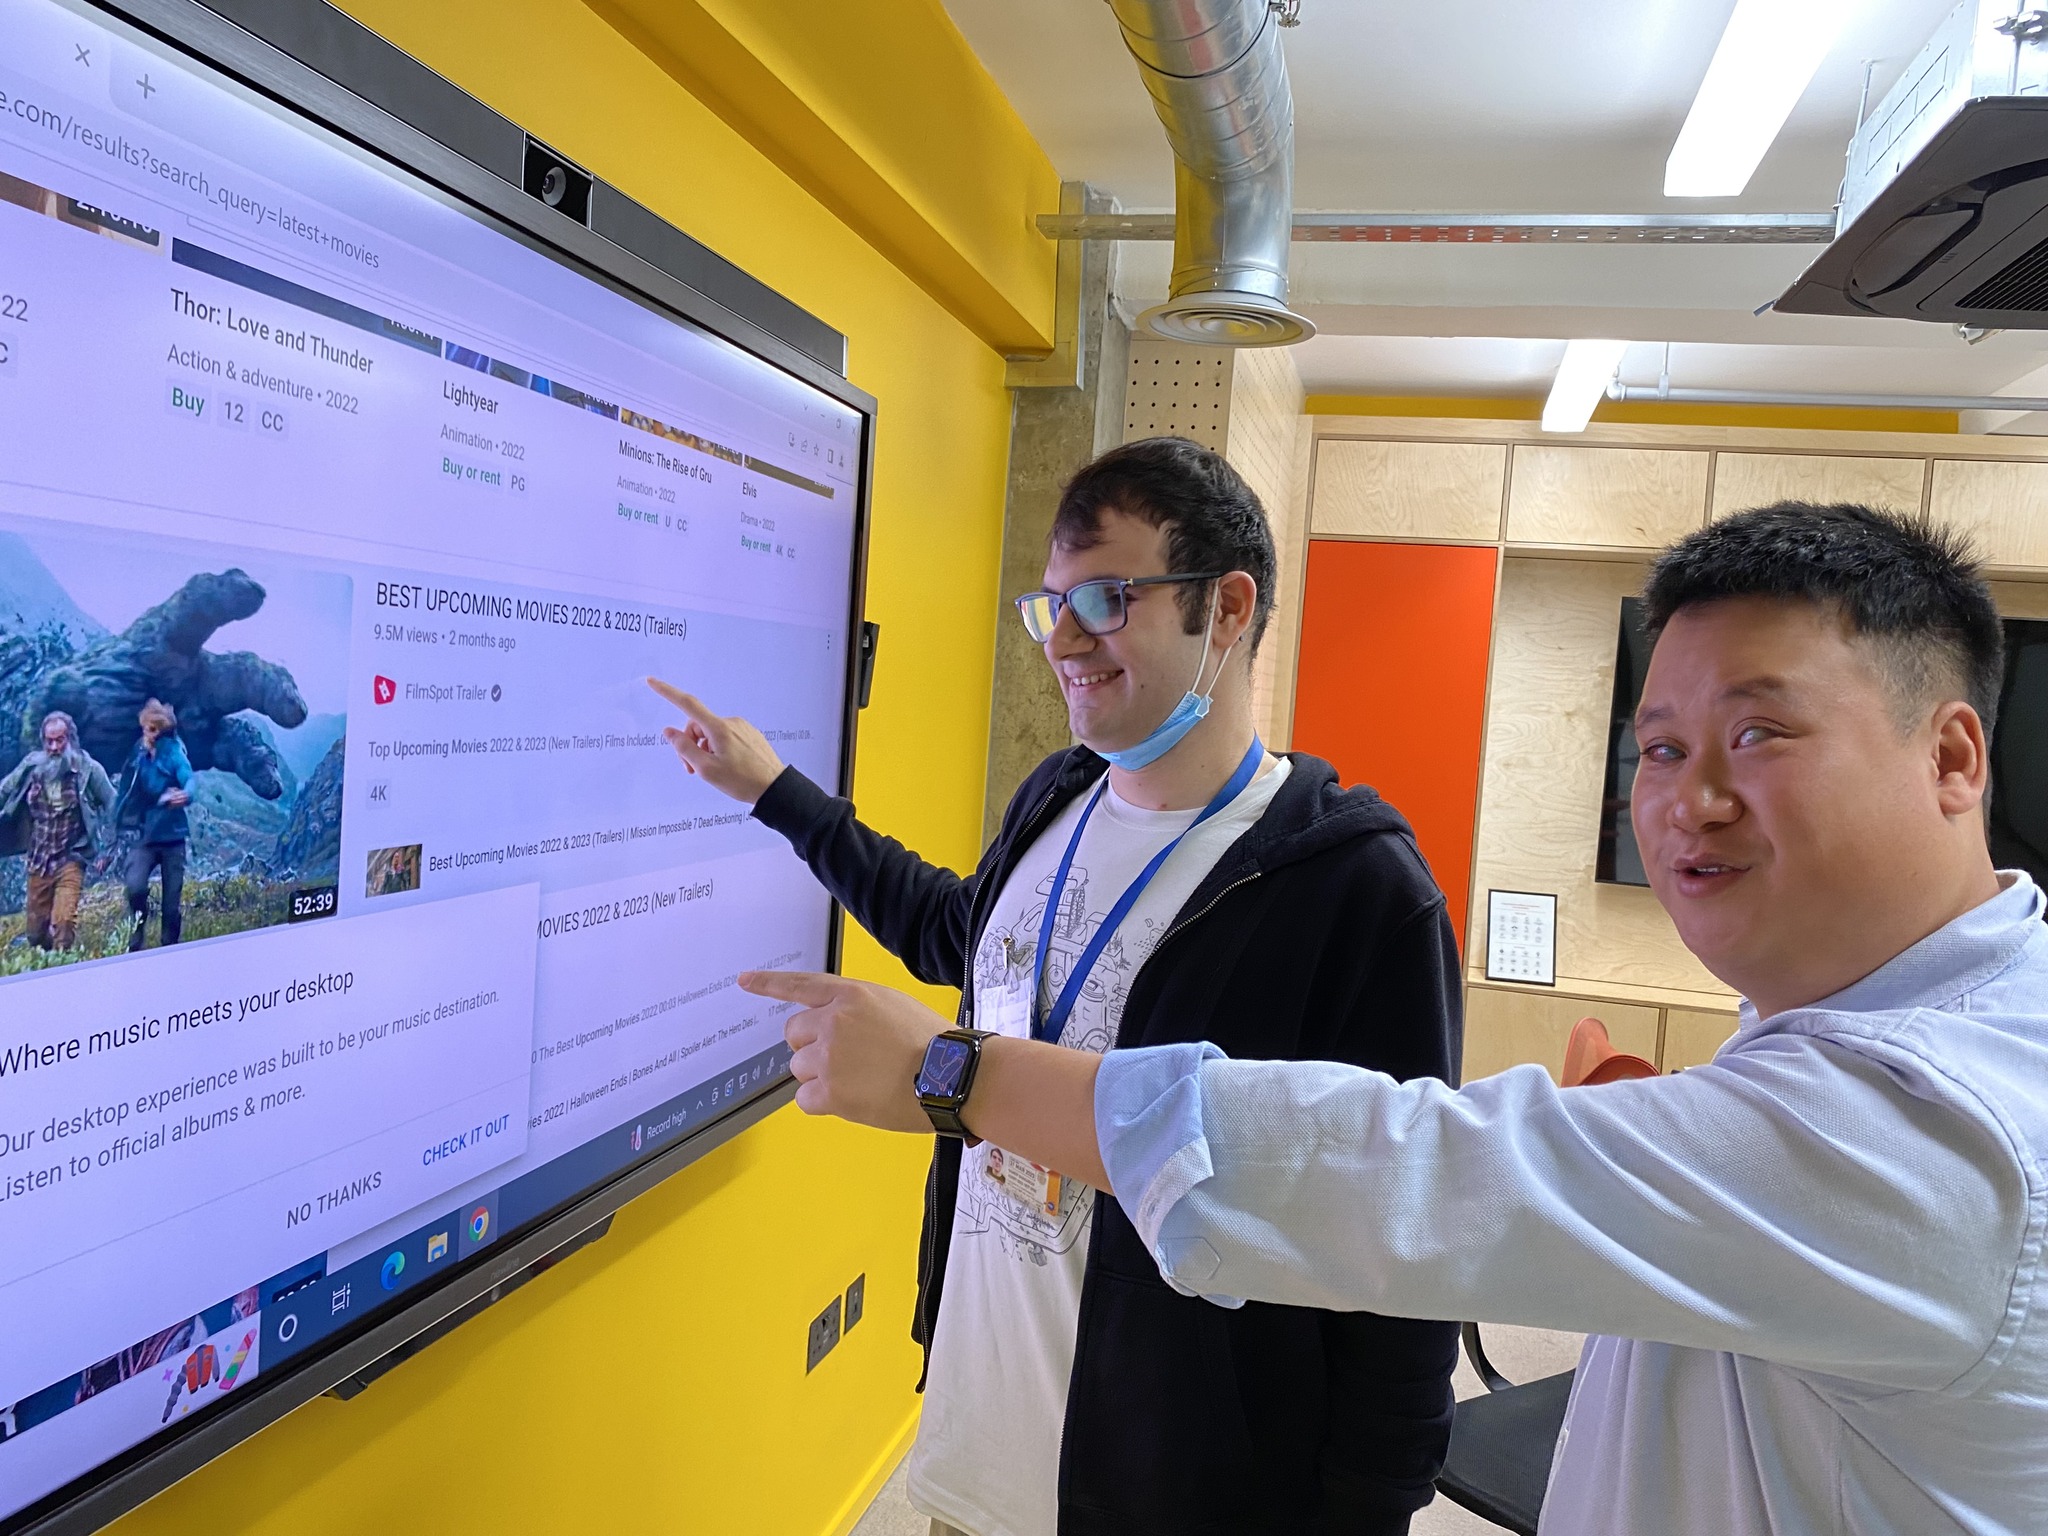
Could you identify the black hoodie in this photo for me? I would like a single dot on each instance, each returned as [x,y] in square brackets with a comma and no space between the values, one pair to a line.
[1319,935]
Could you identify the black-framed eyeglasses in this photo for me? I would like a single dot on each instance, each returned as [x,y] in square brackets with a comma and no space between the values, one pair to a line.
[1101,606]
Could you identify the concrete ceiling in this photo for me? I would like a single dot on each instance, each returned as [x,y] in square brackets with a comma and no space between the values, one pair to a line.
[1554,106]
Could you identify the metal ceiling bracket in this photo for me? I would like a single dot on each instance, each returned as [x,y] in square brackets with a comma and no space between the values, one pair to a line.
[2029,403]
[2025,26]
[1486,228]
[1061,368]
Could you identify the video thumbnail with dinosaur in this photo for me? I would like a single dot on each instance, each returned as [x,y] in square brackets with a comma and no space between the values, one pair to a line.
[172,728]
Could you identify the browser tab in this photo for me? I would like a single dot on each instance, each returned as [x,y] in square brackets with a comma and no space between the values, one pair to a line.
[51,46]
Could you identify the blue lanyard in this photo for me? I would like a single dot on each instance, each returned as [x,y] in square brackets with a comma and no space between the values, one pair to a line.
[1050,1025]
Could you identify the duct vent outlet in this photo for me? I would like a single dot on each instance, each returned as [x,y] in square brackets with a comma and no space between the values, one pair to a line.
[2022,284]
[1225,319]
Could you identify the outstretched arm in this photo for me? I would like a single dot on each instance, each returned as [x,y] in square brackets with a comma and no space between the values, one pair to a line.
[1801,1201]
[858,1048]
[917,910]
[1804,1200]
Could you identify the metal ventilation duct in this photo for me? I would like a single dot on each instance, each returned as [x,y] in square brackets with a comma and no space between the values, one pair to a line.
[1219,83]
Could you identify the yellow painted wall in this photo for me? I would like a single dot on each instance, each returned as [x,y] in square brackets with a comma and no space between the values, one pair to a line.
[655,1383]
[1649,413]
[880,109]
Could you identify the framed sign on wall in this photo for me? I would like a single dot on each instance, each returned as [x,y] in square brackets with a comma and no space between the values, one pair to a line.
[1521,937]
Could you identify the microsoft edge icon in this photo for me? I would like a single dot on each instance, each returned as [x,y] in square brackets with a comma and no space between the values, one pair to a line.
[394,1266]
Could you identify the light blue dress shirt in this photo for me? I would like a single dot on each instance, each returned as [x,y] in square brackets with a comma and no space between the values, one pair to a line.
[1813,1269]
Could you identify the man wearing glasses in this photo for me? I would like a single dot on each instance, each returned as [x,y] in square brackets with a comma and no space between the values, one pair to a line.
[1167,881]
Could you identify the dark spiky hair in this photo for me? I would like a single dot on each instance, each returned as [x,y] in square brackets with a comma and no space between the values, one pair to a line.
[1912,588]
[1213,520]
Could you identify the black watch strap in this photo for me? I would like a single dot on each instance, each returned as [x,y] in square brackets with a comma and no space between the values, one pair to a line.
[944,1105]
[946,1121]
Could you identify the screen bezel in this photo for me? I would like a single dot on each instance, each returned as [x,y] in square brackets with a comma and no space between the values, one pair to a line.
[1631,661]
[302,91]
[2020,634]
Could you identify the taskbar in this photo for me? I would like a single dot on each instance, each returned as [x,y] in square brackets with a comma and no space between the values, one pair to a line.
[305,1305]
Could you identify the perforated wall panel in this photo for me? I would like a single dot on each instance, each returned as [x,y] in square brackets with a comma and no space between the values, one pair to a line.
[1178,391]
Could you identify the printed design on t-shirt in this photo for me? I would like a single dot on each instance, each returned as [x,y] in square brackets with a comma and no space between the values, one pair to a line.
[1004,959]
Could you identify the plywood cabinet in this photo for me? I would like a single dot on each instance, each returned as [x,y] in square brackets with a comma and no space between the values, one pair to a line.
[1549,700]
[1433,491]
[2002,507]
[1744,480]
[1691,1036]
[2020,599]
[1504,1027]
[1619,498]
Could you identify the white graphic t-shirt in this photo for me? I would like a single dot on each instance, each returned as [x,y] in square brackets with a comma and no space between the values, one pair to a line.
[988,1444]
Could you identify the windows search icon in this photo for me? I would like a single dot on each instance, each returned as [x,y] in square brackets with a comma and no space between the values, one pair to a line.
[394,1266]
[479,1223]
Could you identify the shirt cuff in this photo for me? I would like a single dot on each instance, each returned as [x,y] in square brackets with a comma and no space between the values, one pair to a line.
[1148,1122]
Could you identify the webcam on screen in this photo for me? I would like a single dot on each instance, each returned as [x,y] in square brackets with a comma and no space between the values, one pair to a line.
[562,185]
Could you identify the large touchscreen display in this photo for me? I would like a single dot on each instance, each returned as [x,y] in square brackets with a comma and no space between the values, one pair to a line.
[353,912]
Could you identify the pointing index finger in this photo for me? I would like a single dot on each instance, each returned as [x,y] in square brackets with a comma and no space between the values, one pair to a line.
[688,703]
[814,989]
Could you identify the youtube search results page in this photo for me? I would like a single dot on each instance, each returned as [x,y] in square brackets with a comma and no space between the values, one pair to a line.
[353,910]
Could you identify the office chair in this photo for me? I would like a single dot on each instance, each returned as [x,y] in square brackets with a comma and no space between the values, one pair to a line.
[1502,1443]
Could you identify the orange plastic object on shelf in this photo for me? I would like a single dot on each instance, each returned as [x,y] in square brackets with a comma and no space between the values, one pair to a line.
[1590,1058]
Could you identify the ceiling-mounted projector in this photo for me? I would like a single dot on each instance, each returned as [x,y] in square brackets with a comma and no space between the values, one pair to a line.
[1945,206]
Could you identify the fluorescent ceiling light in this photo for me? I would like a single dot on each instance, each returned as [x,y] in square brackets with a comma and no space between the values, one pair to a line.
[1581,381]
[1765,61]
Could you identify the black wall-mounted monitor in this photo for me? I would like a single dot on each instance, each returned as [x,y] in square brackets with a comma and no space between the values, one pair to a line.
[2018,823]
[1617,860]
[362,943]
[2019,754]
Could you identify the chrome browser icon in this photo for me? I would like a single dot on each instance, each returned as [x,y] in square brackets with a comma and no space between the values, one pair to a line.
[479,1223]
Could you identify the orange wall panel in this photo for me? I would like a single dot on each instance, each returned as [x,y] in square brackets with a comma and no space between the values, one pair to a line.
[1392,685]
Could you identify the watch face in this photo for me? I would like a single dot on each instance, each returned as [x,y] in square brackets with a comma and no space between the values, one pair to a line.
[945,1062]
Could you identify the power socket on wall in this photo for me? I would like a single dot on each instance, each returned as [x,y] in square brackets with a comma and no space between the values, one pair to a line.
[822,1336]
[837,1318]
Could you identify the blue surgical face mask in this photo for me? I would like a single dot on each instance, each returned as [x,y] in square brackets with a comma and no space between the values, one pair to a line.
[1185,716]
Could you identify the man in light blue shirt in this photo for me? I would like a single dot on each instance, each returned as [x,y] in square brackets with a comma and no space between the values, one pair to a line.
[1814,1268]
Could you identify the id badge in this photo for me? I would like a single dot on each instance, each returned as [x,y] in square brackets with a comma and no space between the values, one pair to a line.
[1034,1187]
[1005,1010]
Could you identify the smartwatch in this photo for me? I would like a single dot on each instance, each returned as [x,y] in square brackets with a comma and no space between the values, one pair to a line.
[947,1077]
